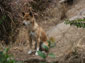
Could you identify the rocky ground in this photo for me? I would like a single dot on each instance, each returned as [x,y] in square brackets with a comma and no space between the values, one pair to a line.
[66,37]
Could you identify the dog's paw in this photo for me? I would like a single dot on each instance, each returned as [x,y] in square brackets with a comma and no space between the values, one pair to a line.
[36,54]
[29,52]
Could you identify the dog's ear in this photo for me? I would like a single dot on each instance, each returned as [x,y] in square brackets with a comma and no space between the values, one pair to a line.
[31,14]
[23,13]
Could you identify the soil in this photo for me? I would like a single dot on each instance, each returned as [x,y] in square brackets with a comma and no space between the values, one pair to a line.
[20,48]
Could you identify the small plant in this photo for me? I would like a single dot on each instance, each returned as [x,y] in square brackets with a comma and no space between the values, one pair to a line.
[78,22]
[5,57]
[43,55]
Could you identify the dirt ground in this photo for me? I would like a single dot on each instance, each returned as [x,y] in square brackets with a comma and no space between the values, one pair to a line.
[20,48]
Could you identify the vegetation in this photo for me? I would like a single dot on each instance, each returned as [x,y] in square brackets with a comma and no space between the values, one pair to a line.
[39,5]
[78,22]
[7,23]
[5,57]
[2,19]
[44,55]
[11,23]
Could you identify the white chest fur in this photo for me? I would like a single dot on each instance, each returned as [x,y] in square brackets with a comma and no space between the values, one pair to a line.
[32,33]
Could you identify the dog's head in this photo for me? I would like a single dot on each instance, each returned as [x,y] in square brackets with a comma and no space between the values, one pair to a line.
[28,18]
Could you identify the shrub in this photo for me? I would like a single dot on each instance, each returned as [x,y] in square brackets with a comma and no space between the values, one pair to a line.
[39,5]
[78,22]
[5,57]
[43,55]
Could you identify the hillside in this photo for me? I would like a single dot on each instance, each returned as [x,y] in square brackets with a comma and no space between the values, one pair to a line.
[67,38]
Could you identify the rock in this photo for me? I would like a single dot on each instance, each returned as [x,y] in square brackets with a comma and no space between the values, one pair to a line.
[66,36]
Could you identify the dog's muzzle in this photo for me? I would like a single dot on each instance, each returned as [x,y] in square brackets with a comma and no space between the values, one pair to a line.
[25,23]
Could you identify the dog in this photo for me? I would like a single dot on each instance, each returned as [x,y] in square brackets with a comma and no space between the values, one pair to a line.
[36,33]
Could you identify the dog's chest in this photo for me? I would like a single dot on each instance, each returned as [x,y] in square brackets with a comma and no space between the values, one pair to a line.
[33,34]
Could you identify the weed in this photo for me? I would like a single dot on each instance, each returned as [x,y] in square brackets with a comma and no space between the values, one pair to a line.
[79,22]
[43,55]
[5,57]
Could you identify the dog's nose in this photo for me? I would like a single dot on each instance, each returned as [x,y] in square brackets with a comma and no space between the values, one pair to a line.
[24,24]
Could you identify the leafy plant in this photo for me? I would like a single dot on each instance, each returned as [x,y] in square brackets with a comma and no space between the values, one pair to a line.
[43,55]
[5,57]
[78,22]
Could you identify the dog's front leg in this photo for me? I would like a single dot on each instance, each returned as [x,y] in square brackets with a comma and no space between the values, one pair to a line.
[30,41]
[38,46]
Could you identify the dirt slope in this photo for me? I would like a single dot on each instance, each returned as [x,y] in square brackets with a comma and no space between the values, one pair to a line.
[66,36]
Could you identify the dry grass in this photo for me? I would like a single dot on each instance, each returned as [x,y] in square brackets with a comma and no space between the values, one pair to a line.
[48,18]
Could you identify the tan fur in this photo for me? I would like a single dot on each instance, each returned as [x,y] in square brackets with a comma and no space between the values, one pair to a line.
[36,32]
